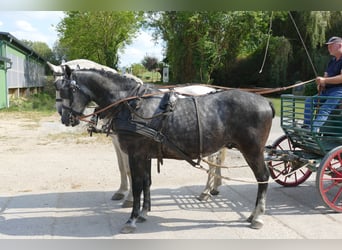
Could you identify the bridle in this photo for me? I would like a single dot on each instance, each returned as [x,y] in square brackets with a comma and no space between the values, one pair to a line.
[66,89]
[66,93]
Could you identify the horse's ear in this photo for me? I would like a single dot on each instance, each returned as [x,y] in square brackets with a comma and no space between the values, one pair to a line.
[68,71]
[54,68]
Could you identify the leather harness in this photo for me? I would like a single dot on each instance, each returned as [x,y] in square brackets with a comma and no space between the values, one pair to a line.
[139,126]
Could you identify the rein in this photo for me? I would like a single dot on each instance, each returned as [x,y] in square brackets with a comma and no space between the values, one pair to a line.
[261,91]
[82,118]
[264,91]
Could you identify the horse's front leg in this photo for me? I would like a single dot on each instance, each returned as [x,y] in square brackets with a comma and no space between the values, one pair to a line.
[146,191]
[125,176]
[138,174]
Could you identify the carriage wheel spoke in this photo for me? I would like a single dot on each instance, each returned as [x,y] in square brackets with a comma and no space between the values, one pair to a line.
[295,176]
[327,189]
[337,196]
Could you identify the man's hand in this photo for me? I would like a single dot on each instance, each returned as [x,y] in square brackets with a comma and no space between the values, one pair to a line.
[320,81]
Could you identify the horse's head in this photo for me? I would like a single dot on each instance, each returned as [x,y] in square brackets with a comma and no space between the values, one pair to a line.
[73,98]
[58,73]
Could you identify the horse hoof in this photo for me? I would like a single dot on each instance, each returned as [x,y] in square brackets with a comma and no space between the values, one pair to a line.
[127,204]
[117,196]
[257,224]
[203,197]
[127,229]
[141,219]
[250,219]
[214,192]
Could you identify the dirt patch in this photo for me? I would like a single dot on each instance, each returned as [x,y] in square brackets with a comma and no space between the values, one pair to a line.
[38,153]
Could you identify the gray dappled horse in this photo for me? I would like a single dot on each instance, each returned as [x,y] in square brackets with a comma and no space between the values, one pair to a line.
[213,181]
[152,124]
[122,157]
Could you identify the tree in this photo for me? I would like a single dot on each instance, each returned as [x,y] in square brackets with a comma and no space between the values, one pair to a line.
[150,62]
[138,69]
[40,48]
[287,60]
[59,52]
[97,35]
[200,42]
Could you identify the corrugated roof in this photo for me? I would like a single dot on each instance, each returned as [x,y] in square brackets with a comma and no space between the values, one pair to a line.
[12,39]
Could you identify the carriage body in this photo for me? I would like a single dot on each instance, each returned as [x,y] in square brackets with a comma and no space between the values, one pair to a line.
[308,138]
[306,149]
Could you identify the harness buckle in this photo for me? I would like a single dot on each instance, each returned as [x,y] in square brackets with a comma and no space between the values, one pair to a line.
[159,137]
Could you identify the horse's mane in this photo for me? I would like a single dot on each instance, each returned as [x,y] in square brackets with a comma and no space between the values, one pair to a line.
[114,75]
[85,64]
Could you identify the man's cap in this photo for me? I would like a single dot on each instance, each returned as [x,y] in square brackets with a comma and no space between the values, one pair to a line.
[334,39]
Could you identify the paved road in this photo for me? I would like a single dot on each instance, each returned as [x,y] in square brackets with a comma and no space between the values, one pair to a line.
[86,211]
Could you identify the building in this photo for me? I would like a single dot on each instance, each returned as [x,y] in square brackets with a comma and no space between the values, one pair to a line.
[22,71]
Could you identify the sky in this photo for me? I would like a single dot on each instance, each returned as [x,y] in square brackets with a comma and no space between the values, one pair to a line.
[40,26]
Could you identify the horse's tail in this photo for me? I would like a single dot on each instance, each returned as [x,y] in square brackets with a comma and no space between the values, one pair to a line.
[273,110]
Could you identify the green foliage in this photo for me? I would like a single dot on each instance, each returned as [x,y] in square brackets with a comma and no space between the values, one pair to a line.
[41,102]
[138,69]
[151,76]
[245,71]
[97,35]
[280,51]
[221,47]
[200,42]
[150,62]
[41,48]
[276,104]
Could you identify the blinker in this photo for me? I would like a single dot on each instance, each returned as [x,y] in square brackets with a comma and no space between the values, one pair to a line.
[64,93]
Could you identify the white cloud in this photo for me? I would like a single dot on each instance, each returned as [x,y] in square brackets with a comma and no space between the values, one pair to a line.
[32,36]
[41,26]
[142,45]
[32,25]
[25,26]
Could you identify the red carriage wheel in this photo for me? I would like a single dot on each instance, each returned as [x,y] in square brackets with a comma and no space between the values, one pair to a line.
[329,179]
[286,173]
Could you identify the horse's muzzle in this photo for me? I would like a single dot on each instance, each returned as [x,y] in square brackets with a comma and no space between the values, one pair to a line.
[69,119]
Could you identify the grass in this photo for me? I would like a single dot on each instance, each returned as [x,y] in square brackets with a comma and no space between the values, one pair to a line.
[40,104]
[150,77]
[276,105]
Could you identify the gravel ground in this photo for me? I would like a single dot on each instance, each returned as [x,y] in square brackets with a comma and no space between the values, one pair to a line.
[56,182]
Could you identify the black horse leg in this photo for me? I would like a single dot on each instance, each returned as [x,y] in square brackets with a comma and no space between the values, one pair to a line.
[261,174]
[146,191]
[141,182]
[137,167]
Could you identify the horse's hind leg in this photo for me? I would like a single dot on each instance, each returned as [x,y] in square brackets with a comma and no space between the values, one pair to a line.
[261,174]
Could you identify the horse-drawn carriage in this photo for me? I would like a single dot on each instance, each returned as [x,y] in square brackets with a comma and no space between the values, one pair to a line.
[150,123]
[306,149]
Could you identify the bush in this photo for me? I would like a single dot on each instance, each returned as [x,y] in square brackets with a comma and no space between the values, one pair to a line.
[41,102]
